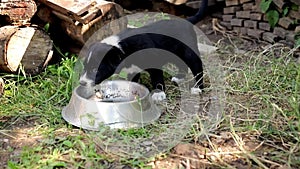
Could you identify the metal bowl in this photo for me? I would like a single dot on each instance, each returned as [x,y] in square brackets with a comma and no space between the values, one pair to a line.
[123,104]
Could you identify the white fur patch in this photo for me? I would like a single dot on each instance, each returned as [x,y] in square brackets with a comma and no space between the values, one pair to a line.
[86,81]
[112,40]
[177,80]
[195,90]
[159,96]
[90,56]
[132,69]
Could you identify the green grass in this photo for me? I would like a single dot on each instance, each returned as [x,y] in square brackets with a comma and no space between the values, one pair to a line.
[263,96]
[38,101]
[41,96]
[273,86]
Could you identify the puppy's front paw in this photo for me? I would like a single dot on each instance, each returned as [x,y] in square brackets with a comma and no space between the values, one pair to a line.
[195,90]
[159,96]
[177,80]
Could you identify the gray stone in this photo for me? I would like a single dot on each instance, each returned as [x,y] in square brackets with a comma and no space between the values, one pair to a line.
[255,33]
[290,36]
[286,22]
[248,6]
[297,29]
[243,14]
[256,16]
[227,18]
[279,32]
[237,22]
[231,10]
[294,14]
[240,30]
[278,3]
[232,2]
[244,1]
[264,26]
[250,24]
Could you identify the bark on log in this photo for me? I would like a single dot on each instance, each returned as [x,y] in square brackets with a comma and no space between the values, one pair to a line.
[28,48]
[19,12]
[1,86]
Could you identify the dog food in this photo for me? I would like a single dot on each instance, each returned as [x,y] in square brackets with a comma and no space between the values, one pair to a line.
[110,95]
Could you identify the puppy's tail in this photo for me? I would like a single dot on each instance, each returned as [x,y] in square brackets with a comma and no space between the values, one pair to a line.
[200,14]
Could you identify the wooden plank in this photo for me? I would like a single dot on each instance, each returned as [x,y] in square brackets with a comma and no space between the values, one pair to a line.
[75,9]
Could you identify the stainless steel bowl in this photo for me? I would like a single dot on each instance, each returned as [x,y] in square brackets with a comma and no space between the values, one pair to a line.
[123,104]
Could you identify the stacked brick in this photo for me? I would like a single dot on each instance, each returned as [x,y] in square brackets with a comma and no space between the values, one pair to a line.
[246,18]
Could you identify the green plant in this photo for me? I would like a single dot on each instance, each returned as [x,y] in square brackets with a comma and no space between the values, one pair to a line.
[272,12]
[135,132]
[135,163]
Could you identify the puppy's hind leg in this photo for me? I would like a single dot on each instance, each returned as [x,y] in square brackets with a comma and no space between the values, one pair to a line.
[157,80]
[182,72]
[197,70]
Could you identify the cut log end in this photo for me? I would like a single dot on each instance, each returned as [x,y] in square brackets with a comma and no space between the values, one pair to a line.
[29,48]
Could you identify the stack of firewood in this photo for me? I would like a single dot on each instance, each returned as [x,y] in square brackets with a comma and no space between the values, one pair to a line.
[25,44]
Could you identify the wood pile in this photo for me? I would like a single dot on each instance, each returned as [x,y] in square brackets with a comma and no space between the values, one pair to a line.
[26,46]
[245,17]
[82,18]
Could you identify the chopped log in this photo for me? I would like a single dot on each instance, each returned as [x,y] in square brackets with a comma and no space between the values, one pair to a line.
[5,34]
[19,12]
[28,48]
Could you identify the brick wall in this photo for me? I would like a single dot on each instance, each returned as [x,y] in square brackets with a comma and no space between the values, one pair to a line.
[246,18]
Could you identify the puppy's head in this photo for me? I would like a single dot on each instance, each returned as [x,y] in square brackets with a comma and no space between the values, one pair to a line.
[100,63]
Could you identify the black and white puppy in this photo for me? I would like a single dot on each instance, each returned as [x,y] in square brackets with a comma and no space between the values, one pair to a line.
[149,47]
